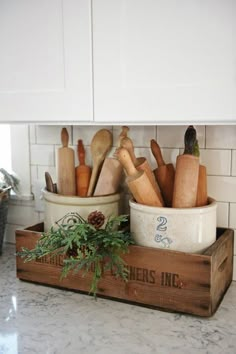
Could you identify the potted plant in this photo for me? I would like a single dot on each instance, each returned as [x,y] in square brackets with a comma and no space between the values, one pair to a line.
[8,181]
[87,245]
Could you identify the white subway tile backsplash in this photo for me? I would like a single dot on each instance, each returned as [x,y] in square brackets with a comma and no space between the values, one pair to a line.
[146,152]
[33,173]
[234,163]
[217,162]
[221,137]
[170,155]
[223,189]
[232,215]
[222,214]
[43,169]
[42,155]
[173,136]
[51,134]
[140,135]
[32,134]
[86,133]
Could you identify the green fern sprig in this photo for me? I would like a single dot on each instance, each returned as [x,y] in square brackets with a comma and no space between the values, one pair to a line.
[86,248]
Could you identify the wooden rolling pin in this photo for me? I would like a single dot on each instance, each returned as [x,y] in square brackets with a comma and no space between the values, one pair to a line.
[138,181]
[123,134]
[165,174]
[142,164]
[186,174]
[82,172]
[65,167]
[202,195]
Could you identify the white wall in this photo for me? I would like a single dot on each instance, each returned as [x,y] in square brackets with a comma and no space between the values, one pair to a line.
[217,151]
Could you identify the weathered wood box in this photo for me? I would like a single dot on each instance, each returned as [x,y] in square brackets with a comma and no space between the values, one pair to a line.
[167,280]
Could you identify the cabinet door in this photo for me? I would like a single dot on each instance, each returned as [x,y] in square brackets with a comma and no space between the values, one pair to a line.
[45,61]
[164,61]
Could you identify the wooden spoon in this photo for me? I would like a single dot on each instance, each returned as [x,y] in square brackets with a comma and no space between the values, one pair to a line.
[100,145]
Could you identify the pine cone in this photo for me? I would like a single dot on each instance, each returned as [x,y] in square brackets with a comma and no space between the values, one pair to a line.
[96,218]
[72,252]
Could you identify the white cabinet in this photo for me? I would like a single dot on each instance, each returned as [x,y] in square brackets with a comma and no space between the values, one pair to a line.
[164,61]
[45,61]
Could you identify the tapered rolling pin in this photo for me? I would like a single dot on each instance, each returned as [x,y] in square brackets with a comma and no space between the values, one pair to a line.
[83,172]
[65,167]
[138,182]
[186,174]
[142,164]
[165,174]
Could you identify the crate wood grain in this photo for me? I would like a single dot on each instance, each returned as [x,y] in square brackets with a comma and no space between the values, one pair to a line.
[168,280]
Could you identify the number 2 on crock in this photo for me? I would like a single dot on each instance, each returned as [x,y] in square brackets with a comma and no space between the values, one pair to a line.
[162,228]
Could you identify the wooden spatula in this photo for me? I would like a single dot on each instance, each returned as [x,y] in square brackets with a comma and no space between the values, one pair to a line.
[110,177]
[100,146]
[65,167]
[165,174]
[138,181]
[83,172]
[50,186]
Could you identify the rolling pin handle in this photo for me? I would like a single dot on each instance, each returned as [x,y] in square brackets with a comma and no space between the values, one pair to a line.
[64,137]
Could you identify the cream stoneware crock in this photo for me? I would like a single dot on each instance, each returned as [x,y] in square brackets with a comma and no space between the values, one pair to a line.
[189,230]
[57,206]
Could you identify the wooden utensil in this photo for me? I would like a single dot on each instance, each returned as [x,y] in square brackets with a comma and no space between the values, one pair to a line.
[109,178]
[138,181]
[186,174]
[165,174]
[123,134]
[50,186]
[82,172]
[66,167]
[142,164]
[100,145]
[202,194]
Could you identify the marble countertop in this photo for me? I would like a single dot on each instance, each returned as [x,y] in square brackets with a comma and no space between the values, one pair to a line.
[41,319]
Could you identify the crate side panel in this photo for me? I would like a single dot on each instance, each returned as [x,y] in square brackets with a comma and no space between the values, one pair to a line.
[222,268]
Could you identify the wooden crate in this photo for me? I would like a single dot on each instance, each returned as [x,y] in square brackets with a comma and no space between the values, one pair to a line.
[167,280]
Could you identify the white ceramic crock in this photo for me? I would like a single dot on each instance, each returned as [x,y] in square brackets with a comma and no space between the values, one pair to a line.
[188,230]
[57,206]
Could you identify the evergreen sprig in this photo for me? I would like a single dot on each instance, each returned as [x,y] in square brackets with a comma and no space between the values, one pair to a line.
[85,248]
